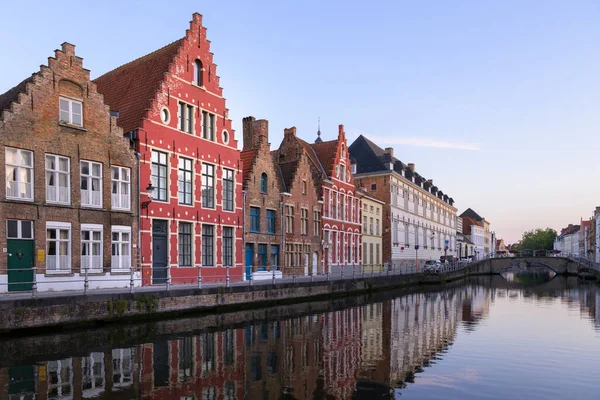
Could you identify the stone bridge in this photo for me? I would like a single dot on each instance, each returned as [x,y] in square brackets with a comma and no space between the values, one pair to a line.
[560,265]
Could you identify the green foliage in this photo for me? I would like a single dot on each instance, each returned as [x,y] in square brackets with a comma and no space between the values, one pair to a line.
[146,303]
[538,239]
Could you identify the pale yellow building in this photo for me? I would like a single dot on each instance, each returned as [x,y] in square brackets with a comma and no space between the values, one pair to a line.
[372,242]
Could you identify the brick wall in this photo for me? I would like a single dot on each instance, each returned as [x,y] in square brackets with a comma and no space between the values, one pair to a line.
[33,124]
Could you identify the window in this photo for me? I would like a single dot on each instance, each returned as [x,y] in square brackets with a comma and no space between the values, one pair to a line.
[185,181]
[229,347]
[270,221]
[254,219]
[275,255]
[303,221]
[262,255]
[289,219]
[185,244]
[208,126]
[377,259]
[58,247]
[365,253]
[370,225]
[159,175]
[198,72]
[229,390]
[186,117]
[207,245]
[373,187]
[342,207]
[121,248]
[19,229]
[121,188]
[208,186]
[58,179]
[377,226]
[371,261]
[91,247]
[186,358]
[91,184]
[71,112]
[19,174]
[92,378]
[164,115]
[227,246]
[263,183]
[225,137]
[60,379]
[317,223]
[303,187]
[228,185]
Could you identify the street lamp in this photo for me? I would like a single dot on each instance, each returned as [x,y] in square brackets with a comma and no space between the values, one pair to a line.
[417,258]
[149,193]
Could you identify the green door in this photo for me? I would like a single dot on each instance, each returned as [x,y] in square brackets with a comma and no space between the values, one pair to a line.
[22,382]
[20,264]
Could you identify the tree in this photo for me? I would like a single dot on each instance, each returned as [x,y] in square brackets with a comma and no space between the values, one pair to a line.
[538,239]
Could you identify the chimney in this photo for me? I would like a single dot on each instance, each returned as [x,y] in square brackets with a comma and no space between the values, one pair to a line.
[290,131]
[255,132]
[390,151]
[411,166]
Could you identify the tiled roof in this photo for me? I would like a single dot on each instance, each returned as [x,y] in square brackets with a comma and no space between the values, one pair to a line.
[288,171]
[13,94]
[131,88]
[471,214]
[247,158]
[326,152]
[312,155]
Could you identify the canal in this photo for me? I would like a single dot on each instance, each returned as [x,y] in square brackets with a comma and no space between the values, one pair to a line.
[511,337]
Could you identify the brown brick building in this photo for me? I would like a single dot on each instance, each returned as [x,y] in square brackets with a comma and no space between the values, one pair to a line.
[70,200]
[302,208]
[262,200]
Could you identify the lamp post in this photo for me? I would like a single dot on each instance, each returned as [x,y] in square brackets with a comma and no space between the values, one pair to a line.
[149,193]
[446,255]
[417,258]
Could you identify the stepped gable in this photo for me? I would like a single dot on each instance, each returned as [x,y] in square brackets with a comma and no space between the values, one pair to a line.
[12,95]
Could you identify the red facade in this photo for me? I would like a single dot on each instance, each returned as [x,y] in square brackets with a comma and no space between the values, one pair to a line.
[171,102]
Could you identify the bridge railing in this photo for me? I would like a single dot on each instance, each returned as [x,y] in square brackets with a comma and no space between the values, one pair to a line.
[586,262]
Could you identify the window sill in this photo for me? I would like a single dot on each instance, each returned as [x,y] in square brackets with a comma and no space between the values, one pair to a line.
[128,210]
[19,200]
[88,207]
[55,203]
[120,272]
[254,231]
[59,273]
[75,127]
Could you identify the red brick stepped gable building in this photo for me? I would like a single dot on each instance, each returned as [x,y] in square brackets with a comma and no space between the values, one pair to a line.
[67,205]
[262,203]
[302,208]
[341,212]
[172,102]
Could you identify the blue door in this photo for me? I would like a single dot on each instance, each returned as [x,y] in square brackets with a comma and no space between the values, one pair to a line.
[249,256]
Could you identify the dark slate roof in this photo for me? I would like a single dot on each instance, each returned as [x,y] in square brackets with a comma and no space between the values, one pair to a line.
[130,89]
[371,158]
[469,213]
[12,95]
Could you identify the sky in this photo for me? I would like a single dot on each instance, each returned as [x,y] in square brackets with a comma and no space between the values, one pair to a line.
[496,101]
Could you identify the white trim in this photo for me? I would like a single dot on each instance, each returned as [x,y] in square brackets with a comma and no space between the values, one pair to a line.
[120,229]
[57,172]
[89,177]
[58,226]
[18,166]
[70,102]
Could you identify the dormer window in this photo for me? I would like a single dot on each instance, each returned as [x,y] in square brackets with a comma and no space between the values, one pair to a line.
[71,112]
[198,73]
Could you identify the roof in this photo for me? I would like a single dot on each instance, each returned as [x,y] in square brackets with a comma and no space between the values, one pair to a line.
[12,94]
[312,155]
[467,223]
[326,152]
[288,171]
[370,157]
[469,213]
[124,91]
[247,158]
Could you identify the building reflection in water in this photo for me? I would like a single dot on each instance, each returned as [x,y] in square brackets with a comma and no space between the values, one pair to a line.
[366,351]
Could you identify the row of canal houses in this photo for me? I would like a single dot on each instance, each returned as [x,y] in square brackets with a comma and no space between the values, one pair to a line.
[136,177]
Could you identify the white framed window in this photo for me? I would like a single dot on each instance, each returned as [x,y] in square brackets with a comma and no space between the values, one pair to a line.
[71,111]
[91,184]
[58,247]
[19,174]
[121,248]
[58,181]
[91,247]
[120,188]
[16,229]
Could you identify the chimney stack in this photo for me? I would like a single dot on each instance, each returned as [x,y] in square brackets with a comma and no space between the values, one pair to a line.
[255,132]
[390,151]
[290,131]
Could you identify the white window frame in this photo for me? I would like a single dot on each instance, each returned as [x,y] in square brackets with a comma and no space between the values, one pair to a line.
[59,226]
[93,267]
[117,198]
[88,194]
[20,229]
[57,172]
[69,111]
[18,166]
[120,229]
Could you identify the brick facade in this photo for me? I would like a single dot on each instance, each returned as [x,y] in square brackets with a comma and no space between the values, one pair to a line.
[302,183]
[172,100]
[49,193]
[262,200]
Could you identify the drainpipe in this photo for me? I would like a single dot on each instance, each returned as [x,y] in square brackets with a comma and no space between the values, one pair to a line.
[282,227]
[139,214]
[244,233]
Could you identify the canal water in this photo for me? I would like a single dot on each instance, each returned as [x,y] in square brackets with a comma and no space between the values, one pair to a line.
[512,337]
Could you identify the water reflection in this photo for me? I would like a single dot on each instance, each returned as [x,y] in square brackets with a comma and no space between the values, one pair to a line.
[531,277]
[373,350]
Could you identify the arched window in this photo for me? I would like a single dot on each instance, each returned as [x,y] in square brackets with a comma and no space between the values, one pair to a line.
[263,183]
[198,72]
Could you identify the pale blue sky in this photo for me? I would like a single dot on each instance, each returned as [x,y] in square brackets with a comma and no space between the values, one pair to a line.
[517,80]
